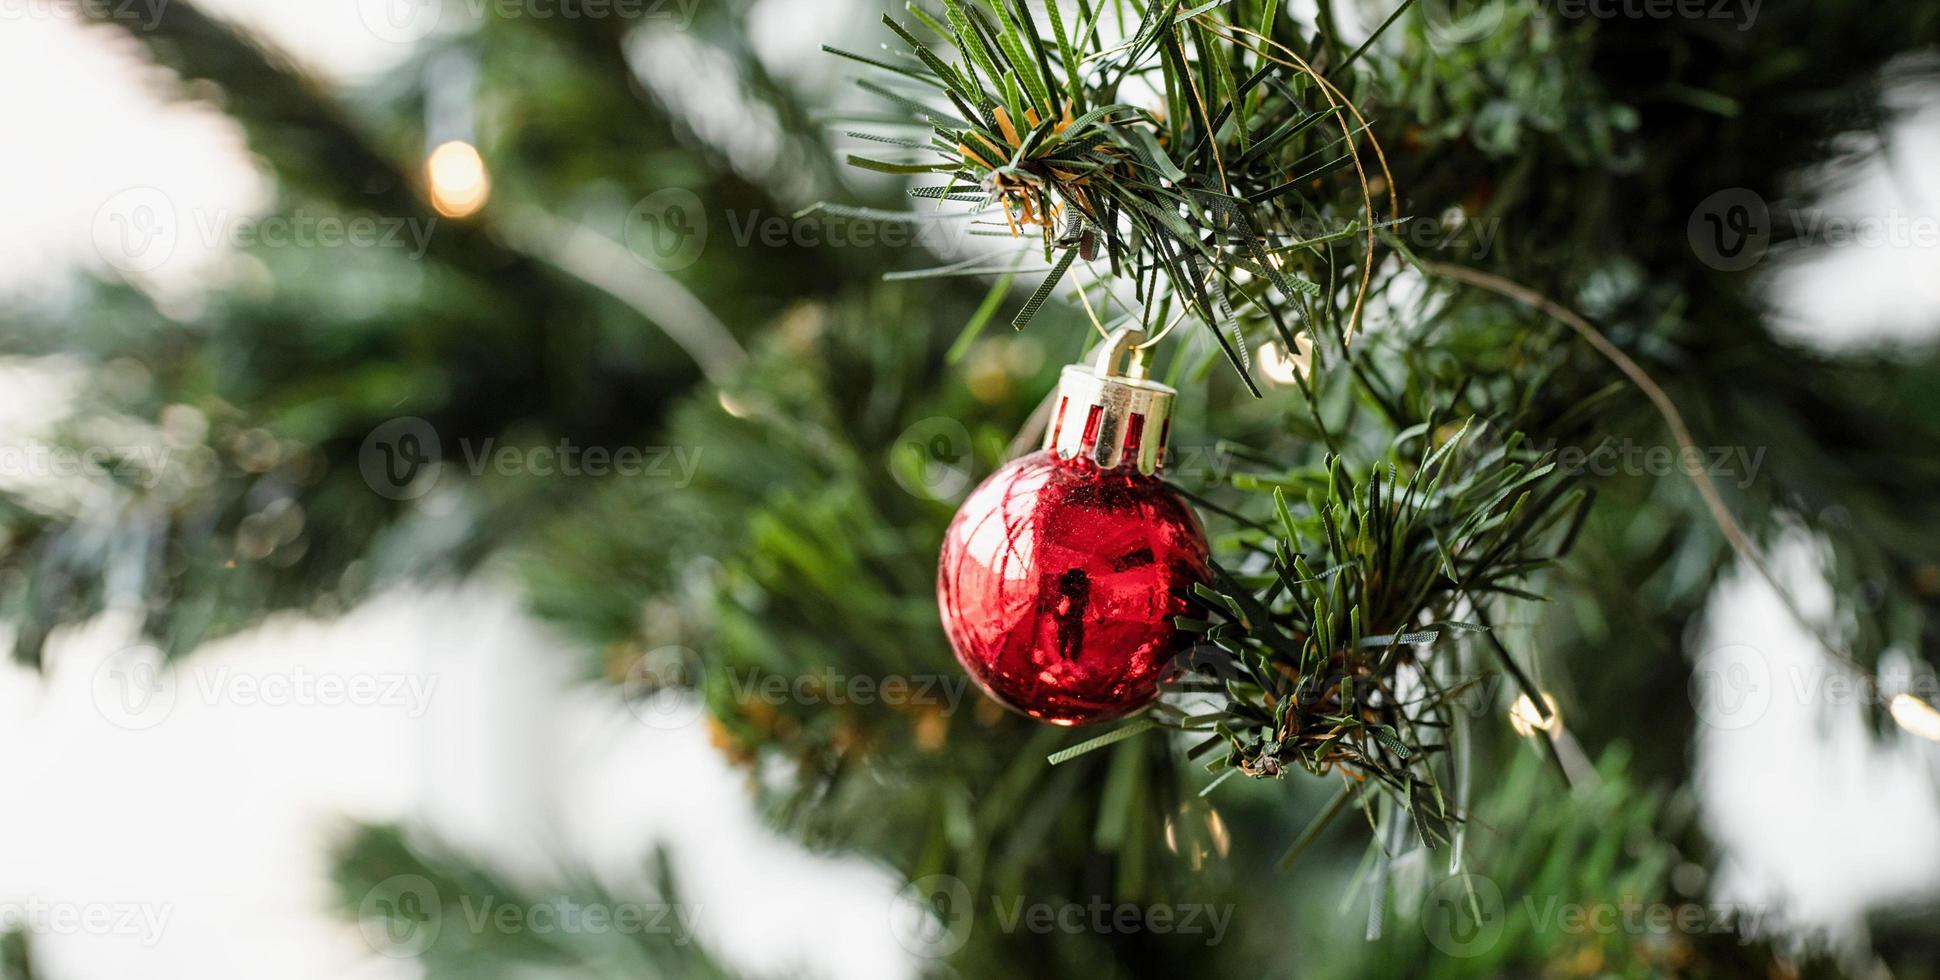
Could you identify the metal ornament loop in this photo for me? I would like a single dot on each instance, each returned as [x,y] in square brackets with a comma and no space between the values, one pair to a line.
[1111,415]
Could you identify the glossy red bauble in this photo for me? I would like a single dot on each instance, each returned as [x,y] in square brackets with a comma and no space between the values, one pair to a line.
[1059,582]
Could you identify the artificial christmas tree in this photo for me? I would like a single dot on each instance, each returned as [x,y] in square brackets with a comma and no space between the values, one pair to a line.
[1316,210]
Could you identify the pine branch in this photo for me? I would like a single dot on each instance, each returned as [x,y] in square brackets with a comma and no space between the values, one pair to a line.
[1184,196]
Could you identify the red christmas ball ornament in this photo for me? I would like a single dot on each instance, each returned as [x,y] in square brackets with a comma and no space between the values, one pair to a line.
[1062,572]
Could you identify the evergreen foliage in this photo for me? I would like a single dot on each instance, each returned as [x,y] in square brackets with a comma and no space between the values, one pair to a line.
[1401,554]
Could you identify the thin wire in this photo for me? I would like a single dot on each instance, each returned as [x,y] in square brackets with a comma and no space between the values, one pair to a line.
[1112,294]
[1184,308]
[1212,140]
[1681,433]
[1086,300]
[1176,317]
[1336,98]
[1161,334]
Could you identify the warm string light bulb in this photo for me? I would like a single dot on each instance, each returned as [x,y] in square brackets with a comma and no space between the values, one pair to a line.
[1916,716]
[1287,367]
[1526,720]
[457,178]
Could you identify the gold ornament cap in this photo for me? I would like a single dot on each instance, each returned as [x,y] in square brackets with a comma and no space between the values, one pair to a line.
[1108,411]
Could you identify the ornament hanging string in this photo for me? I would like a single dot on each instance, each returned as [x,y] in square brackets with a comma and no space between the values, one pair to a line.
[1335,99]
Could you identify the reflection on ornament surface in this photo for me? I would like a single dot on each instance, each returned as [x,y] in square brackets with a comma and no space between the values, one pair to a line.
[1059,582]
